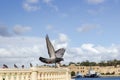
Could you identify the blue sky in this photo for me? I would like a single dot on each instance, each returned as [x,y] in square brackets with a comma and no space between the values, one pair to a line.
[84,27]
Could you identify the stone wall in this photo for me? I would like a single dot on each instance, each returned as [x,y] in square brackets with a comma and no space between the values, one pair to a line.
[35,74]
[104,70]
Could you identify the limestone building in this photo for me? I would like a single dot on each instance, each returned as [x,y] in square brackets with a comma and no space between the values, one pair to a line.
[35,73]
[108,70]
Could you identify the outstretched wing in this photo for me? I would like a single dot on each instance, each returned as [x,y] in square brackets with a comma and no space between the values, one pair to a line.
[50,48]
[45,60]
[60,52]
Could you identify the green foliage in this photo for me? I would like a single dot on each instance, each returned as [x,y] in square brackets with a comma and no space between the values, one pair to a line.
[109,63]
[102,74]
[71,63]
[108,73]
[102,63]
[85,63]
[64,65]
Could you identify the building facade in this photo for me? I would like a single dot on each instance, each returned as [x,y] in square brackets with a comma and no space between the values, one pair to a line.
[108,70]
[35,73]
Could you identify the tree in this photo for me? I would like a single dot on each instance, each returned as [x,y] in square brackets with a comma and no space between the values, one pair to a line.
[86,63]
[71,63]
[93,64]
[78,63]
[102,63]
[64,65]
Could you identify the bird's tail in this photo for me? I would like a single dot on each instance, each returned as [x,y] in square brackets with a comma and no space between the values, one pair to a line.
[42,59]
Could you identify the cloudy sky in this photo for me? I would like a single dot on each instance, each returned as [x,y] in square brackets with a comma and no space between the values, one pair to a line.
[88,29]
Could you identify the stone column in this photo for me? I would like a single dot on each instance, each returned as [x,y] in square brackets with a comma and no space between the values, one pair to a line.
[34,75]
[67,75]
[27,76]
[7,77]
[42,76]
[12,76]
[17,76]
[0,76]
[39,75]
[22,76]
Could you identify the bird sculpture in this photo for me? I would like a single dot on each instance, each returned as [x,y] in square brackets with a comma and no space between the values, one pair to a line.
[5,66]
[55,56]
[15,66]
[31,65]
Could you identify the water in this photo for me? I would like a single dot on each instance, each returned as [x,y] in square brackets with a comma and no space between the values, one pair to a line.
[105,78]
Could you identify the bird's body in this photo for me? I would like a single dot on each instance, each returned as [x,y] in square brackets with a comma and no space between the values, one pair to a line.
[50,61]
[55,56]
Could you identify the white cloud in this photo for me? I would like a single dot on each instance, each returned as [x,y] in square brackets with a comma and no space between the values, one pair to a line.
[63,38]
[4,31]
[61,42]
[32,1]
[49,27]
[19,29]
[47,1]
[23,50]
[95,1]
[92,52]
[34,5]
[50,4]
[64,15]
[31,5]
[89,48]
[96,10]
[87,27]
